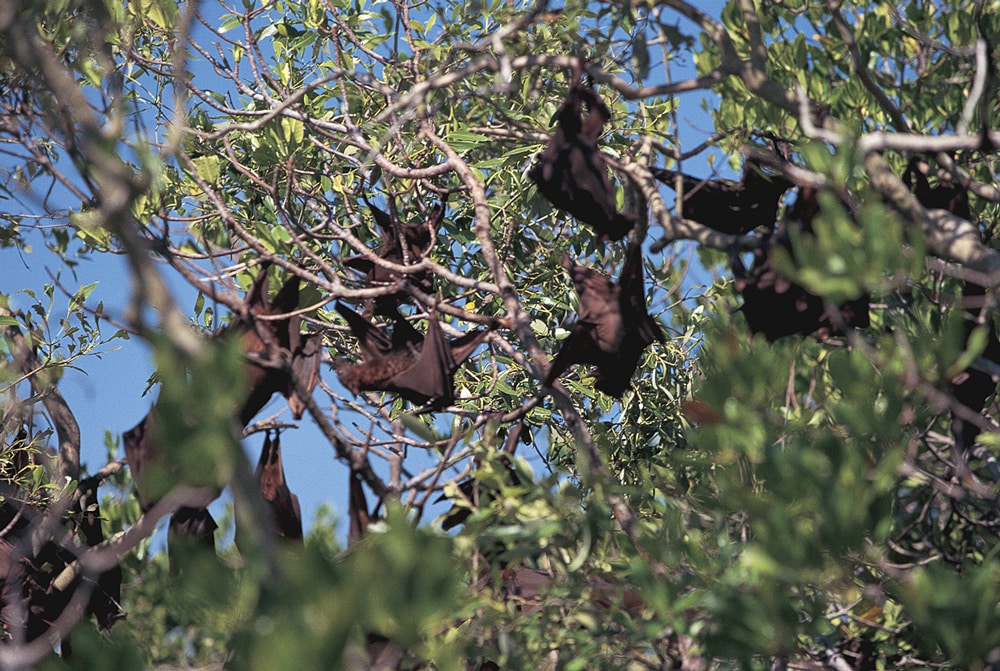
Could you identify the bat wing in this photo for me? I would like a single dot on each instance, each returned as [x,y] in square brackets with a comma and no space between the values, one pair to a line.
[430,378]
[635,313]
[273,487]
[142,455]
[463,346]
[579,347]
[307,353]
[357,509]
[193,523]
[371,339]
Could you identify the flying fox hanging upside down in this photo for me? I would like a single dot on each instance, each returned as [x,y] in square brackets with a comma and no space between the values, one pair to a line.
[776,306]
[263,342]
[726,206]
[417,240]
[614,325]
[571,173]
[419,368]
[972,386]
[283,504]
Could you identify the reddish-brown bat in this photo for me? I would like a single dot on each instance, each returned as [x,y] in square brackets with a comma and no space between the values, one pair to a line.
[419,368]
[283,504]
[267,344]
[777,307]
[571,173]
[726,206]
[614,325]
[417,240]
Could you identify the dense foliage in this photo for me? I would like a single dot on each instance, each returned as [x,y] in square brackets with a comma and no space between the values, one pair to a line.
[819,501]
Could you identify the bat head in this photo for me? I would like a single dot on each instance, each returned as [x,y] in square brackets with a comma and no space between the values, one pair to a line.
[282,358]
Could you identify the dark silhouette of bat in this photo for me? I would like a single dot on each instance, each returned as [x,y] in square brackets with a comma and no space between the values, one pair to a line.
[571,173]
[419,368]
[283,504]
[105,599]
[972,386]
[726,206]
[614,325]
[357,509]
[30,599]
[942,196]
[414,244]
[278,355]
[777,307]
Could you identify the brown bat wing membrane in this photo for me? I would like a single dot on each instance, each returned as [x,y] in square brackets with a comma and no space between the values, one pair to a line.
[571,173]
[614,326]
[283,504]
[424,377]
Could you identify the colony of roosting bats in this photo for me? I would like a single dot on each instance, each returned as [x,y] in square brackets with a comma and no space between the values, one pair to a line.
[612,330]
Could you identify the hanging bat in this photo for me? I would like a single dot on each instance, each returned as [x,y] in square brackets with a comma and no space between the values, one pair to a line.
[726,206]
[106,595]
[943,196]
[571,173]
[972,386]
[777,307]
[614,325]
[415,243]
[283,504]
[30,597]
[357,509]
[263,341]
[419,368]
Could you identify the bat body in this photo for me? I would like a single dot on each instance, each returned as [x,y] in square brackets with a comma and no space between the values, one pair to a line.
[571,173]
[30,599]
[726,206]
[419,368]
[777,307]
[283,504]
[402,244]
[280,359]
[357,509]
[614,326]
[971,387]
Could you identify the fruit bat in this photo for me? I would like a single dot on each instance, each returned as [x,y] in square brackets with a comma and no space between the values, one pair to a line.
[105,599]
[726,206]
[357,509]
[419,368]
[777,307]
[276,351]
[943,196]
[971,387]
[418,239]
[571,173]
[264,340]
[30,599]
[614,326]
[283,504]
